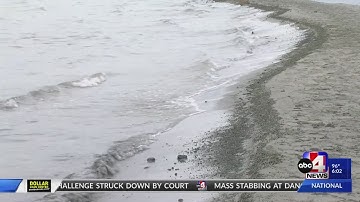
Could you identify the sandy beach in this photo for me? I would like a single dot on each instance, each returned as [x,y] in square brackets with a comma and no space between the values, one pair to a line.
[308,101]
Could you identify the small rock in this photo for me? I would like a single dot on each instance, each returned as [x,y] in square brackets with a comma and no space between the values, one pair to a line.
[205,101]
[146,167]
[182,158]
[331,125]
[151,160]
[181,200]
[175,174]
[169,169]
[318,124]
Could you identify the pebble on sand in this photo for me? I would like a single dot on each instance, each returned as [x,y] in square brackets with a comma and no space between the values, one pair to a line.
[151,160]
[182,158]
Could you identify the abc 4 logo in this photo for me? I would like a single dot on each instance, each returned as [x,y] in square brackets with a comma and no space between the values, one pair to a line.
[313,162]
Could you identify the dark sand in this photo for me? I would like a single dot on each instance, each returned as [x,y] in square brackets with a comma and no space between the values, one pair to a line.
[308,101]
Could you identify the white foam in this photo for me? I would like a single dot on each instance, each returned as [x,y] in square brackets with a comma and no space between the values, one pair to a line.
[91,81]
[10,104]
[354,2]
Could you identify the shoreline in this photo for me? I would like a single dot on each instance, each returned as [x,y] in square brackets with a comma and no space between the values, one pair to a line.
[174,140]
[180,140]
[260,136]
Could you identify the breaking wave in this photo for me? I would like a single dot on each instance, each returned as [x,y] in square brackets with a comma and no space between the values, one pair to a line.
[91,81]
[46,91]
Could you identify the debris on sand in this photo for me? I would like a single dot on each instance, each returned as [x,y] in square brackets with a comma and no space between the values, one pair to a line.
[182,158]
[151,160]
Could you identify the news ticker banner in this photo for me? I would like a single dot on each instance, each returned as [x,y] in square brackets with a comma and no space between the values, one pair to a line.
[258,185]
[325,174]
[54,185]
[322,174]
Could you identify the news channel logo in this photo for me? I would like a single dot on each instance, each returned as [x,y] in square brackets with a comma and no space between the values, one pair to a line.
[314,165]
[201,185]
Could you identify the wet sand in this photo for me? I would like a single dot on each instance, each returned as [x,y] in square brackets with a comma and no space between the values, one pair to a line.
[308,101]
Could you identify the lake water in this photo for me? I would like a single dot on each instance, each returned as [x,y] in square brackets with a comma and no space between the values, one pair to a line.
[354,2]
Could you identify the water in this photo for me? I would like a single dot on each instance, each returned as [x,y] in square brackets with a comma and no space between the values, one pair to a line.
[85,84]
[353,2]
